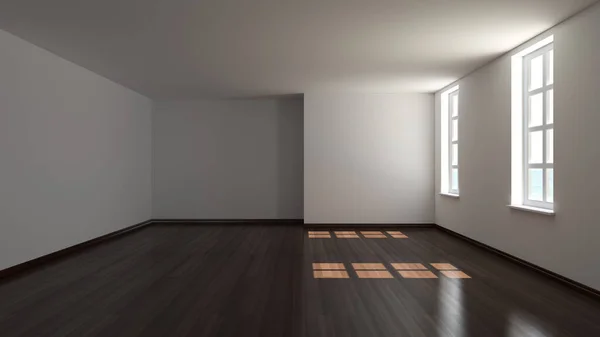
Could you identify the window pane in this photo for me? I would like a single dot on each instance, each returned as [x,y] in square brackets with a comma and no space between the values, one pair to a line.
[536,147]
[454,154]
[550,107]
[550,146]
[455,129]
[536,110]
[455,105]
[550,67]
[536,185]
[454,184]
[536,73]
[550,185]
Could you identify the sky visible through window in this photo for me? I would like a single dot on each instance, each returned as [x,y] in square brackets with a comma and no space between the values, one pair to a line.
[536,184]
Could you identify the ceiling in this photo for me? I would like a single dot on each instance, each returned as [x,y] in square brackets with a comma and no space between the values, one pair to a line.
[184,49]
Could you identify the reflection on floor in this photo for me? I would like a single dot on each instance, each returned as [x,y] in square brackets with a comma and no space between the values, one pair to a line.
[346,235]
[371,270]
[354,235]
[432,285]
[329,270]
[319,235]
[413,270]
[378,270]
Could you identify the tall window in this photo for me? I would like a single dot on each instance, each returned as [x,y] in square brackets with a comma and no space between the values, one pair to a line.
[453,141]
[539,128]
[449,141]
[533,118]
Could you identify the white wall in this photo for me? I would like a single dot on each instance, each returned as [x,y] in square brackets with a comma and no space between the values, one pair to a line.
[76,152]
[228,159]
[567,243]
[368,158]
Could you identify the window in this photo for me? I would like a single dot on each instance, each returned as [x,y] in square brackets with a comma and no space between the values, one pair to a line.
[533,126]
[453,141]
[539,128]
[449,137]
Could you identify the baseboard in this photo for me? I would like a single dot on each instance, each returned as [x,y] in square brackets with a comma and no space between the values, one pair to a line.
[229,221]
[22,268]
[368,225]
[557,277]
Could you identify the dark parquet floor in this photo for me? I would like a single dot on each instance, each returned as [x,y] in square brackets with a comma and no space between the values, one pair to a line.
[251,280]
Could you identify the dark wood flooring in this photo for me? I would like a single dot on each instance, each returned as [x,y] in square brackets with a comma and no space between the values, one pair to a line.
[251,280]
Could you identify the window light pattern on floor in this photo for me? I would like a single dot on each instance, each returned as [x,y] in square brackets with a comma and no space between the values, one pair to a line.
[346,235]
[413,270]
[443,266]
[354,235]
[373,235]
[397,235]
[449,270]
[329,270]
[455,274]
[319,235]
[373,270]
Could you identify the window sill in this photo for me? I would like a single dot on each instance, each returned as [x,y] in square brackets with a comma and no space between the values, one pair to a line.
[538,210]
[450,195]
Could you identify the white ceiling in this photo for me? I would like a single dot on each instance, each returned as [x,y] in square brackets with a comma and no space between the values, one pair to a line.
[206,48]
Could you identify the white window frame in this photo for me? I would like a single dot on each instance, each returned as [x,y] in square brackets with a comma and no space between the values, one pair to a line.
[446,118]
[546,90]
[520,116]
[451,141]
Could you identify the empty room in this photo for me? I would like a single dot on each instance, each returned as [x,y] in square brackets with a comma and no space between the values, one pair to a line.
[294,168]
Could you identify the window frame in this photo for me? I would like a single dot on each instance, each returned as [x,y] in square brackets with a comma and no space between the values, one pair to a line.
[451,141]
[527,94]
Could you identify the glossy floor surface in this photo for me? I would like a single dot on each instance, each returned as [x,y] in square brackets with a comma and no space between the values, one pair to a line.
[249,280]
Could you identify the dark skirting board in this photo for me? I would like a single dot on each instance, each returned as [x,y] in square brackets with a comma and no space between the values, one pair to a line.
[23,268]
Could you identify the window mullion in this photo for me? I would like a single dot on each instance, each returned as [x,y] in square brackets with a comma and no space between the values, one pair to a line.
[536,128]
[450,137]
[535,91]
[525,131]
[544,131]
[451,178]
